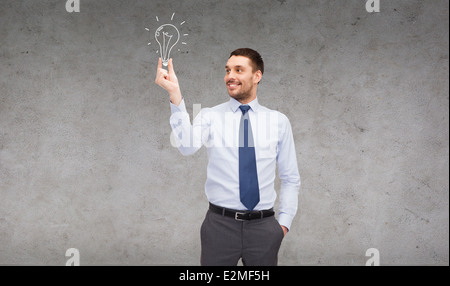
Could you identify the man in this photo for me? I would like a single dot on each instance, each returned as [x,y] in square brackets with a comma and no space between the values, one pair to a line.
[245,141]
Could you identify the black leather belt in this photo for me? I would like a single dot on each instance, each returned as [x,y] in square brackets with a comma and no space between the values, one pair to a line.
[241,215]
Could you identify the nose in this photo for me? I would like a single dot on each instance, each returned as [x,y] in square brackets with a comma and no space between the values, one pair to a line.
[230,76]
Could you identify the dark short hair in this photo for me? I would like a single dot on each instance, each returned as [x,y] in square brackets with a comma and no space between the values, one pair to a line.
[254,56]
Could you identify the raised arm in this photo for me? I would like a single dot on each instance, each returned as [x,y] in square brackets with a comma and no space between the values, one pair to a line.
[187,137]
[168,80]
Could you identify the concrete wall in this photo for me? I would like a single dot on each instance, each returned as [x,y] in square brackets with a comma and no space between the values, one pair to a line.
[85,156]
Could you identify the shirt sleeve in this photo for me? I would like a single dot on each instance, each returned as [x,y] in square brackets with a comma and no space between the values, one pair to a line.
[187,137]
[288,173]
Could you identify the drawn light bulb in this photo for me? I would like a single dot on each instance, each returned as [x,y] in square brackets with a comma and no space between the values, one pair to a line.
[167,37]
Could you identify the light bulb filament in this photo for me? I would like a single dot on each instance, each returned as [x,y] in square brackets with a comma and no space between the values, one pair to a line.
[166,46]
[163,36]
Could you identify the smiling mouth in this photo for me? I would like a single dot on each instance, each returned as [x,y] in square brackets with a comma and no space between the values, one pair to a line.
[233,84]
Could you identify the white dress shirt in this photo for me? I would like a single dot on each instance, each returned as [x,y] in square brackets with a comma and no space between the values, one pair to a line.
[218,129]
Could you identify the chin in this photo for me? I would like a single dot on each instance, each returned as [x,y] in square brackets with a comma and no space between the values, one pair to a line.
[235,95]
[239,97]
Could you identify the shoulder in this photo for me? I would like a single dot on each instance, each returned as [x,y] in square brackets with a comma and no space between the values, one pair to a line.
[281,118]
[211,113]
[220,107]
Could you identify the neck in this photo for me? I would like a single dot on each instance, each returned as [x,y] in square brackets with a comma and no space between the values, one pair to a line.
[247,100]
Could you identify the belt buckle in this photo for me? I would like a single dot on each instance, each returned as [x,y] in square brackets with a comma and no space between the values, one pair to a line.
[236,216]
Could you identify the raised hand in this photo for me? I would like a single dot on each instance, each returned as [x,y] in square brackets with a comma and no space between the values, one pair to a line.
[168,80]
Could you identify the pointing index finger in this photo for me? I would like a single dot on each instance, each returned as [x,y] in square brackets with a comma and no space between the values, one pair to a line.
[171,66]
[159,63]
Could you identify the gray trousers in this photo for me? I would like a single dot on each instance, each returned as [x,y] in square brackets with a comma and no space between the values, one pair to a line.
[225,240]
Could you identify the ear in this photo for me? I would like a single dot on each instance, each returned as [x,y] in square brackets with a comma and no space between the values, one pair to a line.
[258,76]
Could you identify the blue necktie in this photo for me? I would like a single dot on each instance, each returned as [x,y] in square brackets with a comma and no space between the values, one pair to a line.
[248,177]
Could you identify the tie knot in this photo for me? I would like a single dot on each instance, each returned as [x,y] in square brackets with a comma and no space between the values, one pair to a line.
[244,109]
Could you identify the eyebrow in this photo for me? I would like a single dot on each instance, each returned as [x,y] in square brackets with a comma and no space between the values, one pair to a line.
[227,67]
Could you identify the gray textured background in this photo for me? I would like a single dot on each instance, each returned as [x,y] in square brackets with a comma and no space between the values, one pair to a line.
[85,158]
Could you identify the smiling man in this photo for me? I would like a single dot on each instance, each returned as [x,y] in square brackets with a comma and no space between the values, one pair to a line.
[245,143]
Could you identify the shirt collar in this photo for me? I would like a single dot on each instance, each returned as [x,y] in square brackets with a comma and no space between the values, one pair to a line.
[234,104]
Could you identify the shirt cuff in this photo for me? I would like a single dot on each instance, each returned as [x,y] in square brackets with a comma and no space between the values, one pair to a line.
[180,108]
[285,220]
